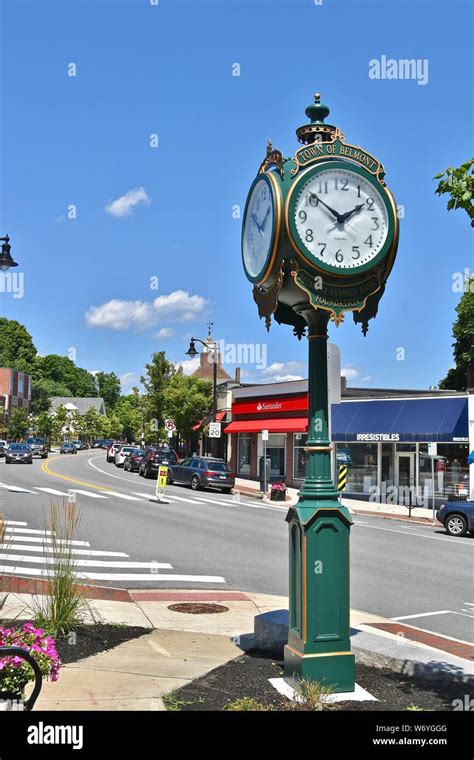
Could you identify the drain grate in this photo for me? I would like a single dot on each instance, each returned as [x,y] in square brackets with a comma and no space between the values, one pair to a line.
[198,608]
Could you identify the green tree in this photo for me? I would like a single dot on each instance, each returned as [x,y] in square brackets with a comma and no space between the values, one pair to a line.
[77,424]
[158,375]
[45,425]
[187,401]
[17,349]
[60,421]
[459,184]
[463,334]
[109,388]
[18,424]
[62,374]
[92,423]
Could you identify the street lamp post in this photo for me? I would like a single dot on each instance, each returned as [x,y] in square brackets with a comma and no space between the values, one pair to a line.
[6,261]
[192,352]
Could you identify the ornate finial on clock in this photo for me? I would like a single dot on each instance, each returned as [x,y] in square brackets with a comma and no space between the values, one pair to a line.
[317,131]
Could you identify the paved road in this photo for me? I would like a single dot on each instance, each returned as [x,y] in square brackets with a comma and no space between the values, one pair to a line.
[207,539]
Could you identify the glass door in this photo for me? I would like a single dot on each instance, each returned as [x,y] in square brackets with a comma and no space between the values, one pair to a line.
[405,470]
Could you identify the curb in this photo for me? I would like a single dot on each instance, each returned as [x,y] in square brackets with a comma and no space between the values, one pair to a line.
[12,584]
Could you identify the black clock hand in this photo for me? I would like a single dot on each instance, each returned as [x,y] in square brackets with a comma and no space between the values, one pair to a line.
[265,218]
[334,213]
[344,217]
[258,226]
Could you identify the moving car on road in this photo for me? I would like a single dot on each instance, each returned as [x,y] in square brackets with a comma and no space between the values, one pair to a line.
[3,447]
[68,448]
[19,452]
[122,453]
[153,458]
[38,446]
[132,460]
[200,472]
[457,517]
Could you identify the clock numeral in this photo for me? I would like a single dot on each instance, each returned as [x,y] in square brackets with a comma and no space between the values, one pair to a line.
[339,256]
[358,191]
[355,249]
[370,203]
[309,236]
[312,199]
[321,186]
[302,215]
[376,222]
[369,241]
[344,184]
[264,194]
[321,252]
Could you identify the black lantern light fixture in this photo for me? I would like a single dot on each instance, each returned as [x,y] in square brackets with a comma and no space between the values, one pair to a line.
[210,346]
[6,261]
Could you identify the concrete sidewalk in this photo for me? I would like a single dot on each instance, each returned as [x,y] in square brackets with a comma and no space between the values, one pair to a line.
[419,515]
[181,647]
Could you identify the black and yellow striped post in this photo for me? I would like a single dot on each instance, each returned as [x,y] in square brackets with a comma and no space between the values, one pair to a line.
[342,477]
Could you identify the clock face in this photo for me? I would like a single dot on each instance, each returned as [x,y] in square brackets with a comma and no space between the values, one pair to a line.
[258,228]
[340,218]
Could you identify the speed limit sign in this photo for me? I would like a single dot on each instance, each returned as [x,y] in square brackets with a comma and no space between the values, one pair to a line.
[169,424]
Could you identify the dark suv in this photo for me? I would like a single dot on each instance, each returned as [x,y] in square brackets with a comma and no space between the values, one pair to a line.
[457,517]
[200,472]
[38,446]
[153,458]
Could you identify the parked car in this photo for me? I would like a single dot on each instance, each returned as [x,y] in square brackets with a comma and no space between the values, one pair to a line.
[153,458]
[3,447]
[201,472]
[112,450]
[121,453]
[38,446]
[80,445]
[97,444]
[106,443]
[68,448]
[18,452]
[457,517]
[132,460]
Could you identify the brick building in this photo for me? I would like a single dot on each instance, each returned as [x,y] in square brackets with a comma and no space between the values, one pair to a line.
[15,390]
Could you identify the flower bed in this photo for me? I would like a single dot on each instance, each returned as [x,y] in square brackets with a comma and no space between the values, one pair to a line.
[15,672]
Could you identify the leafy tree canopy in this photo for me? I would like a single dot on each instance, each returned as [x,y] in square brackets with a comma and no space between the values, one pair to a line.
[459,184]
[463,334]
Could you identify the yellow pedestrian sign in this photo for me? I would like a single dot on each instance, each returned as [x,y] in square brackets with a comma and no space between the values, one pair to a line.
[161,482]
[342,478]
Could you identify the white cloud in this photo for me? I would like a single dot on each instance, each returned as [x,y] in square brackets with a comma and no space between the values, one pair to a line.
[124,205]
[179,306]
[120,315]
[349,372]
[285,367]
[282,378]
[116,314]
[128,380]
[189,365]
[366,378]
[165,332]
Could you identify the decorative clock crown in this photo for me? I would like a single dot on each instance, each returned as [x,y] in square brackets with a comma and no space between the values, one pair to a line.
[317,130]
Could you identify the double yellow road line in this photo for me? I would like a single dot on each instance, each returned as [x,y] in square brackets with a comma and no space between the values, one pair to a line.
[46,469]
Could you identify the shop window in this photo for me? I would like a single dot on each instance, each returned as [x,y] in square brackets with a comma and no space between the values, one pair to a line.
[361,461]
[299,456]
[243,459]
[276,453]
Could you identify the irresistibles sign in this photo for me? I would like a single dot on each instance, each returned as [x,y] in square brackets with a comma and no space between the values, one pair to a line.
[337,149]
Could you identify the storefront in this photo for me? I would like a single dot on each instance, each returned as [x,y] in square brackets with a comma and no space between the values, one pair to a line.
[396,447]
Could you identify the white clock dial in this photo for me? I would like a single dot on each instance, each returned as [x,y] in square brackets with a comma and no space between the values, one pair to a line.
[258,228]
[341,218]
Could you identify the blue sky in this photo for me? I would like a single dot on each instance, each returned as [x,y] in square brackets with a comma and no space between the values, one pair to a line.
[166,69]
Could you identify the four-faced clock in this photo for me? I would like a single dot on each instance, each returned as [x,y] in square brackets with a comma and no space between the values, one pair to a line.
[338,219]
[261,227]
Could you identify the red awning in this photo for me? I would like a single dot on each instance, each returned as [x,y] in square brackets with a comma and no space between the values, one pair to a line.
[291,425]
[219,417]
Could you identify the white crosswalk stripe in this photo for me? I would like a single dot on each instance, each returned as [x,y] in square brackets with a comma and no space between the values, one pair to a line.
[23,549]
[15,489]
[88,493]
[52,491]
[123,496]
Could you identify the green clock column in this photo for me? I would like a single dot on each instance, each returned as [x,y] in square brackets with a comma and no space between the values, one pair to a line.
[319,526]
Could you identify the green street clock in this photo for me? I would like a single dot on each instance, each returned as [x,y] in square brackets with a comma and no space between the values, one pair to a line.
[261,227]
[322,222]
[319,239]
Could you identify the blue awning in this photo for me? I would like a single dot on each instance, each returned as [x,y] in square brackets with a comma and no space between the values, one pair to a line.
[428,420]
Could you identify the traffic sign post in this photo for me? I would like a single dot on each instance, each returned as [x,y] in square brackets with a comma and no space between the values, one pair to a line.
[169,425]
[214,430]
[264,439]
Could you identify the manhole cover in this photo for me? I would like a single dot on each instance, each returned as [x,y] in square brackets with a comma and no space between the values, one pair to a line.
[198,608]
